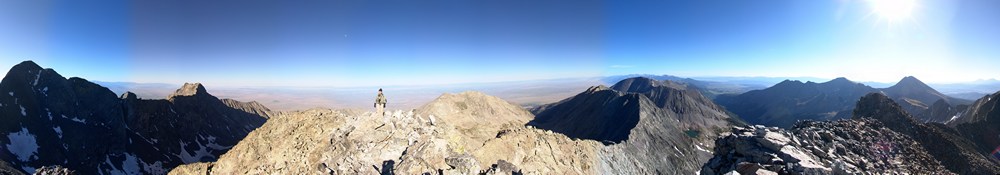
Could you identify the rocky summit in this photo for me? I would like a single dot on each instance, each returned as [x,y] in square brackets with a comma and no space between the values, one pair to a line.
[324,141]
[474,133]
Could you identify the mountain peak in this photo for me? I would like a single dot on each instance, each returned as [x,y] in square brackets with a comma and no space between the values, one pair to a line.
[23,70]
[128,95]
[190,89]
[840,80]
[910,80]
[788,82]
[26,65]
[639,84]
[909,84]
[881,107]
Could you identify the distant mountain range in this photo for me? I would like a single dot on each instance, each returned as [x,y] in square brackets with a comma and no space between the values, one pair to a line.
[638,125]
[709,89]
[789,101]
[74,123]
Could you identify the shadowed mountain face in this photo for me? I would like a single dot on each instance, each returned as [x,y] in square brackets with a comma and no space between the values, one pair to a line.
[789,101]
[955,152]
[639,118]
[51,120]
[981,123]
[598,114]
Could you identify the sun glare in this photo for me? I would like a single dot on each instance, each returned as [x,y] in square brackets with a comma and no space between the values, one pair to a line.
[892,10]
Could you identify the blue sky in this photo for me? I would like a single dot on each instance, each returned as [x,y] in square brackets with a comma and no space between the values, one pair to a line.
[378,43]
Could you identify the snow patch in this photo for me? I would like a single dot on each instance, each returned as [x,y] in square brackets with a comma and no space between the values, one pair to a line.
[58,131]
[11,93]
[23,145]
[49,112]
[84,121]
[45,91]
[22,111]
[954,117]
[37,75]
[187,157]
[113,170]
[153,168]
[212,144]
[701,149]
[678,150]
[130,165]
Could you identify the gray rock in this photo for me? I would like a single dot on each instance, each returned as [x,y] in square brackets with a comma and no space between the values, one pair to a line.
[463,164]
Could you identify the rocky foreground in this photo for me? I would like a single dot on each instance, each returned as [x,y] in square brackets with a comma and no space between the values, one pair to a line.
[323,141]
[831,147]
[881,138]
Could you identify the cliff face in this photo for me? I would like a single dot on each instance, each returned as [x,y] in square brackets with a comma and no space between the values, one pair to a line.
[955,152]
[647,126]
[51,120]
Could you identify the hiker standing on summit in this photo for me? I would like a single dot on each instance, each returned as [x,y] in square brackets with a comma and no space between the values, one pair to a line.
[380,103]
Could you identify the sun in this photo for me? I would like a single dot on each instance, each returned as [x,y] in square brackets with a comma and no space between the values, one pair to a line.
[893,10]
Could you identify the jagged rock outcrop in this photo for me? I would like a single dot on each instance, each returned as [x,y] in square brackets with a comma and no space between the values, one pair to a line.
[862,146]
[323,141]
[940,112]
[52,120]
[956,153]
[648,126]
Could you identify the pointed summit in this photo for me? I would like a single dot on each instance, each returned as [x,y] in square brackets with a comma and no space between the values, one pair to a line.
[22,72]
[190,89]
[910,82]
[840,80]
[27,65]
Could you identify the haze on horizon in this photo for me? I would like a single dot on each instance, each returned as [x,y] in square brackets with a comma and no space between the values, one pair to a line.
[383,43]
